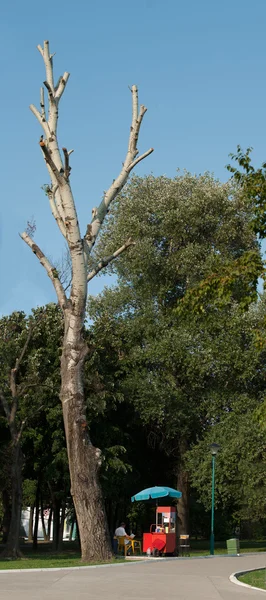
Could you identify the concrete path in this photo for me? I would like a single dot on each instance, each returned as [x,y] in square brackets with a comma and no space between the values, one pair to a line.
[176,579]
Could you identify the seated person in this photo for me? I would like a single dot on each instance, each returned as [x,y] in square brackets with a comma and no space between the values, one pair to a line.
[121,532]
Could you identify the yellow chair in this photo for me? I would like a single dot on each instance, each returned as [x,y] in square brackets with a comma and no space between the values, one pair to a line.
[131,544]
[136,545]
[122,547]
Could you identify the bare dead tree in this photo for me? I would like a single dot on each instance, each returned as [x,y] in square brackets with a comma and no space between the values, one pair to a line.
[84,458]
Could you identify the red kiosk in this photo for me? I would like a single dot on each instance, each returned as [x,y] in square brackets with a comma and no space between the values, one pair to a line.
[162,535]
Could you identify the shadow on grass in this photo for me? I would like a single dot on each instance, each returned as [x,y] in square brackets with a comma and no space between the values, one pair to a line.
[69,556]
[45,557]
[203,546]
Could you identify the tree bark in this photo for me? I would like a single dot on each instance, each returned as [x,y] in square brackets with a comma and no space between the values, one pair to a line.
[30,534]
[56,523]
[61,526]
[49,525]
[71,529]
[7,515]
[36,522]
[45,536]
[12,549]
[84,458]
[183,502]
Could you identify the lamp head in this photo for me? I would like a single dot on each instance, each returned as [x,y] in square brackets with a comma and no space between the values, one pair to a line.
[214,449]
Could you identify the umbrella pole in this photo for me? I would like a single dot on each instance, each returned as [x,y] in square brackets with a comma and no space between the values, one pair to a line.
[156,514]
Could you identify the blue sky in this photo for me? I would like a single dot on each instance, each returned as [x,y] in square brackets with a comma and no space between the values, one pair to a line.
[200,66]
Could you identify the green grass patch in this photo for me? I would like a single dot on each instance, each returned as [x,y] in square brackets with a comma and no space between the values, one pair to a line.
[45,558]
[49,562]
[255,578]
[202,547]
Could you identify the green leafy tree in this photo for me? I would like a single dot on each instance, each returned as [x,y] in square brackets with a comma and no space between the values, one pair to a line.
[27,378]
[252,184]
[184,229]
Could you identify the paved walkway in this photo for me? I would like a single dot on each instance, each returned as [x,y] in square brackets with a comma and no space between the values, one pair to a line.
[194,579]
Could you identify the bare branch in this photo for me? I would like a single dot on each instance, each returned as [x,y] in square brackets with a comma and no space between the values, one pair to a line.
[61,85]
[118,183]
[50,91]
[51,272]
[13,377]
[105,261]
[39,118]
[135,101]
[47,155]
[19,434]
[48,65]
[40,49]
[63,200]
[67,167]
[51,193]
[137,160]
[42,104]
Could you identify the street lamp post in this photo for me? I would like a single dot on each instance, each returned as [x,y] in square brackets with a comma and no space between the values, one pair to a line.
[214,449]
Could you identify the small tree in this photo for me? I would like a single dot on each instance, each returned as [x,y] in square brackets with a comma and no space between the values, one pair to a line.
[84,458]
[9,397]
[29,384]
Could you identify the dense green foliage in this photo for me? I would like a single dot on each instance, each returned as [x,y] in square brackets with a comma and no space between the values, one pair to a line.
[174,361]
[185,372]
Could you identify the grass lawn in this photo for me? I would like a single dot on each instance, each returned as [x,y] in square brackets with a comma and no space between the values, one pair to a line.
[255,578]
[44,557]
[202,547]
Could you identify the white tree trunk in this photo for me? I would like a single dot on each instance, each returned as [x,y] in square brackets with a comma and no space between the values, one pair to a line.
[84,459]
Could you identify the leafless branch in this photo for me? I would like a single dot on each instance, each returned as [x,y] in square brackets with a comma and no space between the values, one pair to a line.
[105,261]
[118,183]
[13,377]
[51,271]
[47,155]
[39,117]
[61,86]
[50,91]
[51,193]
[67,167]
[48,65]
[137,160]
[42,104]
[20,431]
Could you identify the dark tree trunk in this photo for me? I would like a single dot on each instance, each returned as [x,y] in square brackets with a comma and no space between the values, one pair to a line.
[84,458]
[61,527]
[183,486]
[71,529]
[49,525]
[56,523]
[30,534]
[183,503]
[12,549]
[36,522]
[7,515]
[111,511]
[44,532]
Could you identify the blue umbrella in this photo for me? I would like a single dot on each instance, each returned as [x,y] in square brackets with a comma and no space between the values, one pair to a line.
[156,492]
